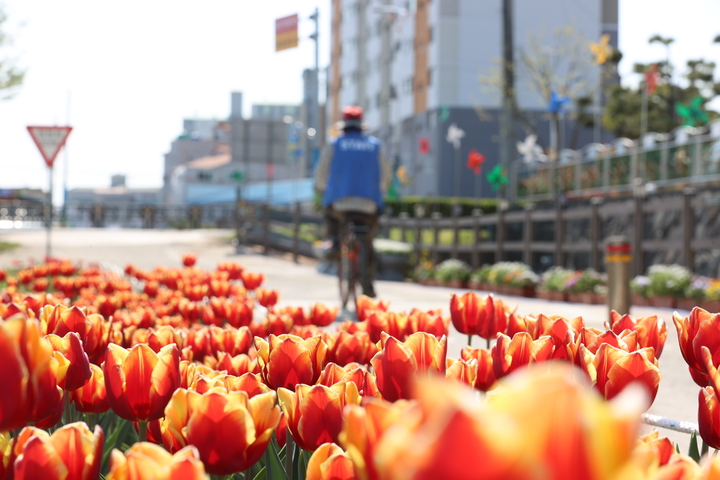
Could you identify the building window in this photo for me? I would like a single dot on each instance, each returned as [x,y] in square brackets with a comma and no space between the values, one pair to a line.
[408,86]
[204,176]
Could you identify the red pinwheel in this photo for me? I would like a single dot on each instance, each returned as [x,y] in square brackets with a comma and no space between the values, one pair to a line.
[475,161]
[651,78]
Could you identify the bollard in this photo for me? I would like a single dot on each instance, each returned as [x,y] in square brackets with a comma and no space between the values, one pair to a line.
[617,262]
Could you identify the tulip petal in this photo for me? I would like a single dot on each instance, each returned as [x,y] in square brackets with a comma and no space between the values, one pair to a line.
[39,460]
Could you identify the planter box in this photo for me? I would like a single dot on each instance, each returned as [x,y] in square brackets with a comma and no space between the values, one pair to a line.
[587,297]
[543,294]
[392,266]
[573,298]
[712,306]
[456,284]
[599,299]
[559,296]
[640,301]
[527,292]
[664,302]
[477,285]
[687,303]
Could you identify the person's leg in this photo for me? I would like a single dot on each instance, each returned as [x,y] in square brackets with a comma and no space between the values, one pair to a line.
[372,223]
[333,219]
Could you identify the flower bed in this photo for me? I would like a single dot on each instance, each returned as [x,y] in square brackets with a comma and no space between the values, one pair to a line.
[182,373]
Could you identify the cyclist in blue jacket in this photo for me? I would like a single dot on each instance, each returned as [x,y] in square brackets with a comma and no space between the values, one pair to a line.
[352,177]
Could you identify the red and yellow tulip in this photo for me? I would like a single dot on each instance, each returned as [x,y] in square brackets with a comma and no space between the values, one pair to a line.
[315,414]
[147,461]
[140,382]
[330,462]
[287,360]
[208,420]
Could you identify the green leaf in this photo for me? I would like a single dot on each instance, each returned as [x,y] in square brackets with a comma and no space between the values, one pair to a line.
[115,439]
[694,451]
[274,465]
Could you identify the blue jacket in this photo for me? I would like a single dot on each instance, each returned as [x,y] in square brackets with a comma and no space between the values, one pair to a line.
[355,169]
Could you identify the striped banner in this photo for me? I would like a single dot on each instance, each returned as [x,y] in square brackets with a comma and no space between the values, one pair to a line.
[286,33]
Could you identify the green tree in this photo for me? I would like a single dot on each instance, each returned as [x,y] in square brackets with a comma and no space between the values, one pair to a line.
[623,107]
[11,77]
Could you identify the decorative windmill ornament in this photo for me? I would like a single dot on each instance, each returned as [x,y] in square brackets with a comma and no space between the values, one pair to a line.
[475,161]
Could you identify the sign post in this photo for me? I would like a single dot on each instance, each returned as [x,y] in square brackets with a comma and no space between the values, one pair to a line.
[49,141]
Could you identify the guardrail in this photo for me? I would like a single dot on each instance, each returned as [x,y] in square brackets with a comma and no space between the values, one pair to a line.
[688,161]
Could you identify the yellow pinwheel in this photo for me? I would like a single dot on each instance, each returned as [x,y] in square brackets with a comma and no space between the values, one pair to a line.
[602,50]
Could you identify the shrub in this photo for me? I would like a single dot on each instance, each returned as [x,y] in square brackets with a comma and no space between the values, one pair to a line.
[668,280]
[452,270]
[555,279]
[640,285]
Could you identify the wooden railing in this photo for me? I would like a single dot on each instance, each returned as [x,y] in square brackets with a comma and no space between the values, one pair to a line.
[485,238]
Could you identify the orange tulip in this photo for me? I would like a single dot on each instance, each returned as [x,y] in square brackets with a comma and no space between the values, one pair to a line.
[697,330]
[237,365]
[14,375]
[562,331]
[398,363]
[391,323]
[91,397]
[345,348]
[71,452]
[366,426]
[297,314]
[92,329]
[330,462]
[485,379]
[651,331]
[662,448]
[307,331]
[593,338]
[473,315]
[315,414]
[463,371]
[189,259]
[76,369]
[287,360]
[431,322]
[352,372]
[366,306]
[278,324]
[322,316]
[230,340]
[140,382]
[613,369]
[207,421]
[163,335]
[238,313]
[510,354]
[33,394]
[252,281]
[709,404]
[267,298]
[147,461]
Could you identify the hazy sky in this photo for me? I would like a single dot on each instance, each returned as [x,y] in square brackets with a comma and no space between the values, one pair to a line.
[134,69]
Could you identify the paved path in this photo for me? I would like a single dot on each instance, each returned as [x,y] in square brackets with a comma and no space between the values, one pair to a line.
[300,284]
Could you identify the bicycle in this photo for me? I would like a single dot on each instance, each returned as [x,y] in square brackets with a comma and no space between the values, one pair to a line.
[353,265]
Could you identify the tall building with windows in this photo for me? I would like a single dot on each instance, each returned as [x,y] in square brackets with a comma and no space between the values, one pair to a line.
[415,67]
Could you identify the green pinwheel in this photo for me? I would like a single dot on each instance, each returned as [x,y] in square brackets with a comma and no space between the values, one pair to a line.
[497,177]
[693,113]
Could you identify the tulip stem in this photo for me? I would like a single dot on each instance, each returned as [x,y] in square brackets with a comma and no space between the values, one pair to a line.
[469,340]
[705,449]
[68,413]
[488,343]
[142,431]
[289,449]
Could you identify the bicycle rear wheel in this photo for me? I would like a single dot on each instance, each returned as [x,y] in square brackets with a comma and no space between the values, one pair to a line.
[347,273]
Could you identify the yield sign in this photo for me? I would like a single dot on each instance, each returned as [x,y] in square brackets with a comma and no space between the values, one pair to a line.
[49,140]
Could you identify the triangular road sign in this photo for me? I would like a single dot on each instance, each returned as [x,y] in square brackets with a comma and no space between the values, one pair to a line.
[49,140]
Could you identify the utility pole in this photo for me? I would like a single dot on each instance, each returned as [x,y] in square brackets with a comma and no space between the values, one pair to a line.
[507,135]
[313,106]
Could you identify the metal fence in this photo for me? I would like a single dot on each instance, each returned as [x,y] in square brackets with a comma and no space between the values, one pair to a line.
[687,160]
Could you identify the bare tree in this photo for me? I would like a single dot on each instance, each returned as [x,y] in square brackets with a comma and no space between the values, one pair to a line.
[561,63]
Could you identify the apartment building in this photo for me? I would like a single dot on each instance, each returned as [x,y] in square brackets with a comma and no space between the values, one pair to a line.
[415,67]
